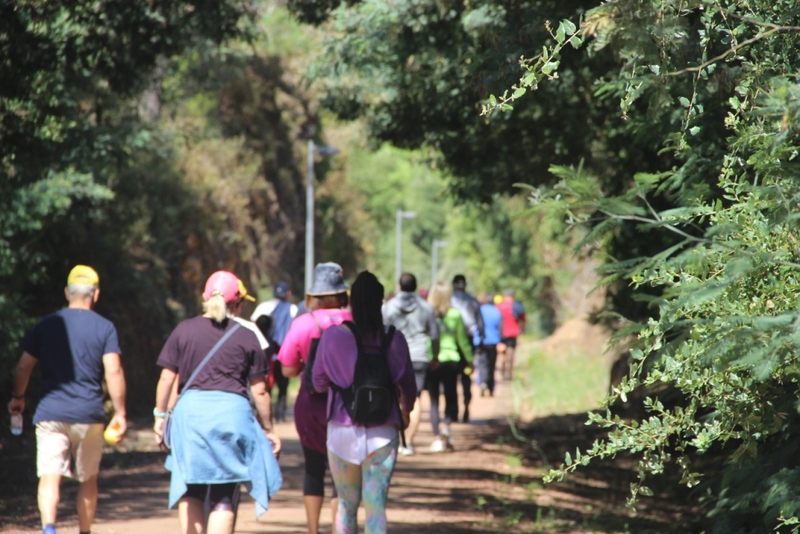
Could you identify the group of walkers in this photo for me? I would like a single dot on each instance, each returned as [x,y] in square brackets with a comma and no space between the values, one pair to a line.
[451,335]
[364,363]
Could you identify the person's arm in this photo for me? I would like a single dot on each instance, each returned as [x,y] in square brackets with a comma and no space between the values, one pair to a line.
[22,375]
[115,380]
[163,392]
[291,363]
[463,341]
[479,325]
[263,404]
[407,382]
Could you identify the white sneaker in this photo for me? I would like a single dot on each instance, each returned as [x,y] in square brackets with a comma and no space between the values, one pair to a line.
[406,451]
[438,445]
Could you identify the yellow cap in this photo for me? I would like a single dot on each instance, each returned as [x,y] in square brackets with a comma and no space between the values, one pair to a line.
[498,299]
[243,292]
[83,274]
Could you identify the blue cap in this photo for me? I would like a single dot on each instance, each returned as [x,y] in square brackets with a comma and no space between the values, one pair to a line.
[281,290]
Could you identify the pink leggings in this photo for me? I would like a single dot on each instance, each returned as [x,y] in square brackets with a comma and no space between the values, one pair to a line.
[369,482]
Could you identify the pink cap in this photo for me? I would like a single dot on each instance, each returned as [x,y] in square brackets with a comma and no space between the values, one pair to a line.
[224,283]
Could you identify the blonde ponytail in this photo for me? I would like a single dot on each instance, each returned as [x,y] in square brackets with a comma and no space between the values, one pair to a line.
[215,308]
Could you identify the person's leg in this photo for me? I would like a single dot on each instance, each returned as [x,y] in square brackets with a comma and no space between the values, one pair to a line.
[222,516]
[313,487]
[433,391]
[511,348]
[48,496]
[413,420]
[420,375]
[450,374]
[491,364]
[376,474]
[87,503]
[347,478]
[52,462]
[482,367]
[191,514]
[86,443]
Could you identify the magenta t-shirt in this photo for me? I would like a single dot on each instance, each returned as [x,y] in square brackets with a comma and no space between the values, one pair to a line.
[310,411]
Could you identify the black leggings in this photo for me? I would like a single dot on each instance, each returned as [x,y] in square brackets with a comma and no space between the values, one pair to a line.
[446,375]
[215,496]
[314,480]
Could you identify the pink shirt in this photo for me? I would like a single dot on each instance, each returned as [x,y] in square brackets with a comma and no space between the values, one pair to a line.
[303,329]
[310,415]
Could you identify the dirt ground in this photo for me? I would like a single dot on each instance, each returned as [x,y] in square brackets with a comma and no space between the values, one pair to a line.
[491,483]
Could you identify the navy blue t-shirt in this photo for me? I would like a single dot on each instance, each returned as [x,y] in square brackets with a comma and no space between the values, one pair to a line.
[70,345]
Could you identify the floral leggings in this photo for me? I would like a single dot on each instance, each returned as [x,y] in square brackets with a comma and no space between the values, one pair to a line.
[368,481]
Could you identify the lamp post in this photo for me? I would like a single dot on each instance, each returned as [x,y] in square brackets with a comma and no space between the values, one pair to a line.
[312,150]
[437,244]
[398,238]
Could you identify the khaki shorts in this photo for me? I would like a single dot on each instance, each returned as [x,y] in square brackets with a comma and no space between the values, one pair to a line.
[69,449]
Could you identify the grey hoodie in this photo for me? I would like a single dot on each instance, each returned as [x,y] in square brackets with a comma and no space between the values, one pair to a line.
[414,317]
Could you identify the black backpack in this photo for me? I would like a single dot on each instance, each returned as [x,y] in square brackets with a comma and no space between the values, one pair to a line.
[371,396]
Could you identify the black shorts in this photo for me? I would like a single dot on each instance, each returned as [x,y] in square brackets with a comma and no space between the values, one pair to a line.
[510,342]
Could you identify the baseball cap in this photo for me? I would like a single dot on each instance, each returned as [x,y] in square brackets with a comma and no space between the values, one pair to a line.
[224,283]
[281,290]
[83,274]
[243,292]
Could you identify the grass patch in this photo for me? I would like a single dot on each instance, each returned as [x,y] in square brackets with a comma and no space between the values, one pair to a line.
[546,384]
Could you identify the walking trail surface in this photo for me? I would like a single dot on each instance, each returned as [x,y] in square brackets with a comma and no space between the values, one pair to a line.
[430,492]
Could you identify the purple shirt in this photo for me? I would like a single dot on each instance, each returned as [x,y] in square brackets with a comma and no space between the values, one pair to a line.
[310,417]
[237,361]
[336,362]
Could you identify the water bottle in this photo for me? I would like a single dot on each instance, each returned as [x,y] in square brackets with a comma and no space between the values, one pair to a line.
[16,424]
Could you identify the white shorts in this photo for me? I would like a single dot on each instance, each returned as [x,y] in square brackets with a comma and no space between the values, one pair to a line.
[60,446]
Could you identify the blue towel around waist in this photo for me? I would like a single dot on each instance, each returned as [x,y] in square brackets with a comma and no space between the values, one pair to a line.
[216,439]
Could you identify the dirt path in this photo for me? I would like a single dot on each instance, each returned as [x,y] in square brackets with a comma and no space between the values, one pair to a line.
[430,493]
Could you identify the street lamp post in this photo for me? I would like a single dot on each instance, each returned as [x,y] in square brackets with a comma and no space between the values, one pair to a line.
[398,238]
[435,253]
[312,150]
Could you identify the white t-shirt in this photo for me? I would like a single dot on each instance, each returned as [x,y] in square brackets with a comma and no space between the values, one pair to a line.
[262,341]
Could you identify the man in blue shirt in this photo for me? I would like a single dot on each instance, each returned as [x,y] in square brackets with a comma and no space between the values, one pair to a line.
[75,348]
[492,331]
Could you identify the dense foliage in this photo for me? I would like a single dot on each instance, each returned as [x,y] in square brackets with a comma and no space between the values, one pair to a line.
[717,82]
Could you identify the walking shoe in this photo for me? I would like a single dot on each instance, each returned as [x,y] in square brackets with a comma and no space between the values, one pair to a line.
[49,529]
[438,445]
[406,451]
[447,439]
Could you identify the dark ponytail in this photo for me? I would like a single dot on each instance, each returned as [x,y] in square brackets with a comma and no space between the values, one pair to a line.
[366,298]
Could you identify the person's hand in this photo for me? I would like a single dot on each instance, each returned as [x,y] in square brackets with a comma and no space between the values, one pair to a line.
[120,423]
[16,406]
[276,442]
[433,365]
[158,429]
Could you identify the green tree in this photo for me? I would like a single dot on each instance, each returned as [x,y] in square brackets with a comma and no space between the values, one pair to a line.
[716,84]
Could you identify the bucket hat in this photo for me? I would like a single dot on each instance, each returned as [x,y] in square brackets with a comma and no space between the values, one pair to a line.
[328,280]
